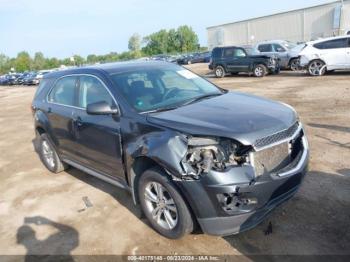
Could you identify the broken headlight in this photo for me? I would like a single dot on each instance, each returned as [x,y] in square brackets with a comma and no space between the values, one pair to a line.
[205,154]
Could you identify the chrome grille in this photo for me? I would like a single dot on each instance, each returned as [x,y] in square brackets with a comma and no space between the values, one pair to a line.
[271,139]
[270,159]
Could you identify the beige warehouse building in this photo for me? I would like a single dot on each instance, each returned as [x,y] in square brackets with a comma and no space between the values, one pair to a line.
[298,26]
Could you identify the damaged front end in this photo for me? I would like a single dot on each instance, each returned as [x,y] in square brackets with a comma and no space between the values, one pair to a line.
[231,187]
[218,154]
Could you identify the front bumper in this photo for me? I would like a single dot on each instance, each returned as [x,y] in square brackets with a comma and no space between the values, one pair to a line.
[253,197]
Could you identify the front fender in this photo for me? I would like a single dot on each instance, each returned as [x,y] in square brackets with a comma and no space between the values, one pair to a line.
[167,148]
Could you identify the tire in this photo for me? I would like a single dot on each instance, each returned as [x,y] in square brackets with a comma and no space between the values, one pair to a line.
[259,70]
[316,68]
[49,156]
[219,72]
[294,64]
[276,71]
[156,209]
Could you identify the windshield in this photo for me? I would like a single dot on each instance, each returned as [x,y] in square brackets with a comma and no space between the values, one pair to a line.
[158,88]
[290,45]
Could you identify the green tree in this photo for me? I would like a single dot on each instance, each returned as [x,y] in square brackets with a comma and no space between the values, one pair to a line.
[39,61]
[79,60]
[134,44]
[92,59]
[23,62]
[187,38]
[4,64]
[173,45]
[156,43]
[52,63]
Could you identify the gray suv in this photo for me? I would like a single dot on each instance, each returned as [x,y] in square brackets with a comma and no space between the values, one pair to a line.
[280,49]
[189,152]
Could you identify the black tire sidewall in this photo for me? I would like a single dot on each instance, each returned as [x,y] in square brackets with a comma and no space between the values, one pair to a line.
[42,138]
[185,222]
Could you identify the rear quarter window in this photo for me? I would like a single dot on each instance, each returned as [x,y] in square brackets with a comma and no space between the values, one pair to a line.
[64,91]
[216,52]
[332,44]
[44,85]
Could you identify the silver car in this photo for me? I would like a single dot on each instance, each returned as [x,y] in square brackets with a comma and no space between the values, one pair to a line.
[278,48]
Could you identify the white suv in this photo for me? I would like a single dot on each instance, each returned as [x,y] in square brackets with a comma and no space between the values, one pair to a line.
[324,55]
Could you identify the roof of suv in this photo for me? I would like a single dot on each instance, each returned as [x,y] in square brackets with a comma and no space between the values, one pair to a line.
[272,42]
[328,38]
[110,68]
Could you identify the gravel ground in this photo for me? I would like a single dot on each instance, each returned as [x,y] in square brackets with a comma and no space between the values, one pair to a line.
[42,213]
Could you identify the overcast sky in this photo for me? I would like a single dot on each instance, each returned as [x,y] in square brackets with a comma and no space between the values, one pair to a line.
[62,28]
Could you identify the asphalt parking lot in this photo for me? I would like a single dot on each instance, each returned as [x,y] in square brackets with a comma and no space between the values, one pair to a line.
[73,213]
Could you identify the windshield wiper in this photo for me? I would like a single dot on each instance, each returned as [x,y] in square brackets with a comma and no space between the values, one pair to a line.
[198,98]
[161,109]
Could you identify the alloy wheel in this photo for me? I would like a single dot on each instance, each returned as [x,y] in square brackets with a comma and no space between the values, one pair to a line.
[48,154]
[316,68]
[219,72]
[161,205]
[294,65]
[258,71]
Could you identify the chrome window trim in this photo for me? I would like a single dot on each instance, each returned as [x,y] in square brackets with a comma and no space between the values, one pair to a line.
[76,107]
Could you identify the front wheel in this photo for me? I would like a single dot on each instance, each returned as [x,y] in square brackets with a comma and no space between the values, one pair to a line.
[259,70]
[317,68]
[219,72]
[163,205]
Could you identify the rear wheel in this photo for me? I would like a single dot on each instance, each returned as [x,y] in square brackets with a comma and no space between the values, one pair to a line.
[317,68]
[49,156]
[163,205]
[259,70]
[219,72]
[294,64]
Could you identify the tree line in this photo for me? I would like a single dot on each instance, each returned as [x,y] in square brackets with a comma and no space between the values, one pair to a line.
[180,40]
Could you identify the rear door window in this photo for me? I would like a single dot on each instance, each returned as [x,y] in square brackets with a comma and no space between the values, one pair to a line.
[228,52]
[64,92]
[278,48]
[265,48]
[239,52]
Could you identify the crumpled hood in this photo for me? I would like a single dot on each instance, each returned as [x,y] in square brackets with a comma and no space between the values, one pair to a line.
[233,115]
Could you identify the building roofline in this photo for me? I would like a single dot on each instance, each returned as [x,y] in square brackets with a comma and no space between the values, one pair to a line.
[284,12]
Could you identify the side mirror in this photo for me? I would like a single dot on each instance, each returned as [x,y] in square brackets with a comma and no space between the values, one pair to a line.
[101,108]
